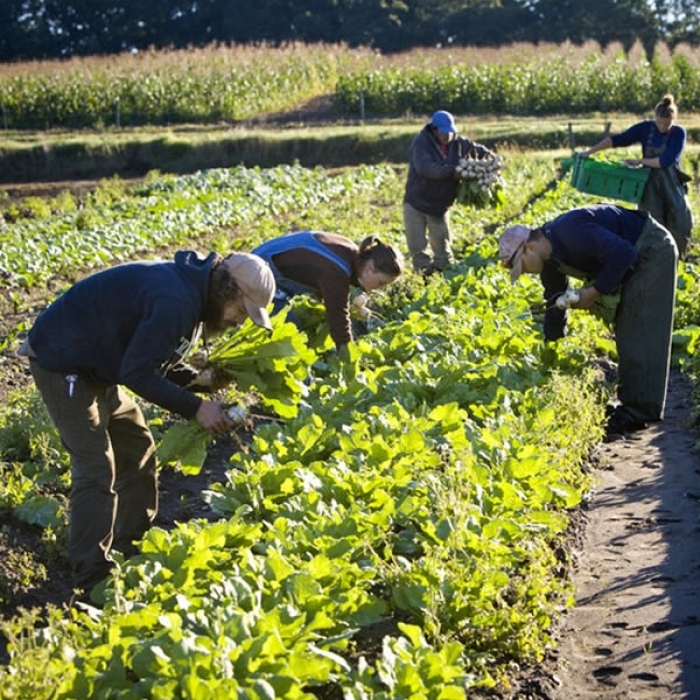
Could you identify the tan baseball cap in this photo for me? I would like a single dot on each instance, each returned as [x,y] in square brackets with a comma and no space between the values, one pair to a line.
[255,279]
[510,247]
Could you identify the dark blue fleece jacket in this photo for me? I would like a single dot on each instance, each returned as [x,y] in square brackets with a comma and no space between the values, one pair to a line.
[599,242]
[128,325]
[670,144]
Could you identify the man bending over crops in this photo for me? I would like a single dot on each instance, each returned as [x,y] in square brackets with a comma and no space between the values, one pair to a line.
[431,189]
[132,325]
[616,251]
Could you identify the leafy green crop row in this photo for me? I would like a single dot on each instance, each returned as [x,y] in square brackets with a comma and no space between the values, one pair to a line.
[164,211]
[424,483]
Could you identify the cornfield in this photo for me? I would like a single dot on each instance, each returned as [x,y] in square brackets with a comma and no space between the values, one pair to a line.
[231,84]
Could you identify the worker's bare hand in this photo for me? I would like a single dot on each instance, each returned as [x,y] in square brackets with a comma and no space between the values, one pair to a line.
[587,297]
[212,417]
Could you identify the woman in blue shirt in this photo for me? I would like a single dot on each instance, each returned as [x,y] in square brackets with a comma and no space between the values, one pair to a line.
[665,194]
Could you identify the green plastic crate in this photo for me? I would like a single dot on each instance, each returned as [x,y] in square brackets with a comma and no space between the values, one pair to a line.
[613,180]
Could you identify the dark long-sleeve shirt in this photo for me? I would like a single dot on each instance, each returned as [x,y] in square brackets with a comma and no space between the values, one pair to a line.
[292,259]
[669,145]
[128,325]
[431,186]
[598,242]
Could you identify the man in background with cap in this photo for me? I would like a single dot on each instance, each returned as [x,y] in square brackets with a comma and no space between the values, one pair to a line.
[615,250]
[431,189]
[132,325]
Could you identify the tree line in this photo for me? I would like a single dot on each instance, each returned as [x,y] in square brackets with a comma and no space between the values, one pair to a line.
[40,29]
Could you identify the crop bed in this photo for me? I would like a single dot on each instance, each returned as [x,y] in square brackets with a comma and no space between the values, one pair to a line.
[401,533]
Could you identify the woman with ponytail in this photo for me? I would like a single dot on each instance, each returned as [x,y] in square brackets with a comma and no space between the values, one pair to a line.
[665,193]
[326,266]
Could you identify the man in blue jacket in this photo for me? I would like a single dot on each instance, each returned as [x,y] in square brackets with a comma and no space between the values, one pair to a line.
[616,251]
[132,325]
[431,189]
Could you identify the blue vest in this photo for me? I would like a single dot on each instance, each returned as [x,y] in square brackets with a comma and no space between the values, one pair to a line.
[291,241]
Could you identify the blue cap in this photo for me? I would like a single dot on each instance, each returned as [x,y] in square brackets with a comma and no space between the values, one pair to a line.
[444,122]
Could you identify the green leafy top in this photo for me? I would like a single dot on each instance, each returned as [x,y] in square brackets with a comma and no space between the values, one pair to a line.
[274,364]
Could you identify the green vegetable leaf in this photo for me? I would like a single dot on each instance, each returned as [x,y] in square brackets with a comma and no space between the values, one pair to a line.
[184,445]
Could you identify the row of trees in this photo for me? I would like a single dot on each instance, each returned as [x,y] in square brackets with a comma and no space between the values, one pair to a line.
[54,28]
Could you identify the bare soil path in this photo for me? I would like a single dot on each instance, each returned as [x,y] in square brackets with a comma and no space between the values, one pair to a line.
[635,630]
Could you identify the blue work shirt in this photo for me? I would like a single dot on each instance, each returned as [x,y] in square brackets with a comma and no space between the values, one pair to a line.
[667,146]
[595,243]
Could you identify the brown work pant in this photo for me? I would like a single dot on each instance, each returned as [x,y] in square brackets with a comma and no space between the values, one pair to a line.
[114,488]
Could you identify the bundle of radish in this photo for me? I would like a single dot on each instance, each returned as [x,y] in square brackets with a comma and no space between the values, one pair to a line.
[275,365]
[481,183]
[272,365]
[359,306]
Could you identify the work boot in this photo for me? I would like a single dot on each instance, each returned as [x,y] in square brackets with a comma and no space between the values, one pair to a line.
[620,424]
[428,270]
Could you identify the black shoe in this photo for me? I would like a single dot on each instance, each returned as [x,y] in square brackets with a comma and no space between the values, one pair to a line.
[427,270]
[620,425]
[610,410]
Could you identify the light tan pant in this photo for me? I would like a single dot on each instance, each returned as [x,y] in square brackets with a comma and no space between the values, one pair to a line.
[114,488]
[438,229]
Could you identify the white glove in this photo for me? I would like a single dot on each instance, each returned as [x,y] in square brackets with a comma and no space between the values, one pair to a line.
[238,415]
[568,299]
